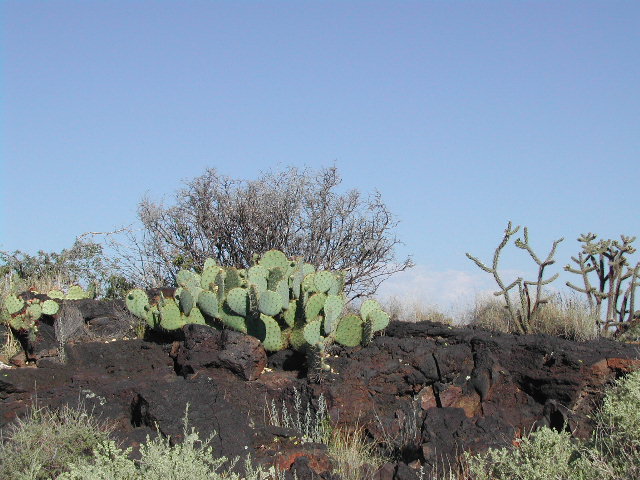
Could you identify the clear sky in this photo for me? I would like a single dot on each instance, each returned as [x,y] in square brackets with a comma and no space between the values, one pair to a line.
[464,115]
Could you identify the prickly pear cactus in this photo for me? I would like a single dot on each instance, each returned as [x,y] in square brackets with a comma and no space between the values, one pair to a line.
[283,302]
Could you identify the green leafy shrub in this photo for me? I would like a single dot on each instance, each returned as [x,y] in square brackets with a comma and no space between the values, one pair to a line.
[43,443]
[191,459]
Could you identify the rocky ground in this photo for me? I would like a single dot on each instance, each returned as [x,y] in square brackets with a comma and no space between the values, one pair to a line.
[429,391]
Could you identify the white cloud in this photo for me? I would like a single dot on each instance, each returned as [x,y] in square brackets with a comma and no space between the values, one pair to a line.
[449,291]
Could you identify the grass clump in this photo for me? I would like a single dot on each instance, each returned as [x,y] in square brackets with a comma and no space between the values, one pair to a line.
[42,444]
[565,316]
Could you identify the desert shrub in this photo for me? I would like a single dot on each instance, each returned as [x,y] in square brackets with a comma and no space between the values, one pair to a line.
[298,212]
[543,455]
[616,440]
[84,263]
[42,444]
[613,452]
[193,459]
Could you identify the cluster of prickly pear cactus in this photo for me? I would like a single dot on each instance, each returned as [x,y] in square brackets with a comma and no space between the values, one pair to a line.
[74,292]
[23,315]
[284,303]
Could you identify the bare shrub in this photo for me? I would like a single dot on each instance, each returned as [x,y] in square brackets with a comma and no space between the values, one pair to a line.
[297,212]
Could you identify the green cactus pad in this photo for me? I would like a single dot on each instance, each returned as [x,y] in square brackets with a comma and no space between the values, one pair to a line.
[369,306]
[308,284]
[275,275]
[297,340]
[338,284]
[379,320]
[208,303]
[220,290]
[195,317]
[282,289]
[50,307]
[238,301]
[136,301]
[208,263]
[272,340]
[367,332]
[333,306]
[314,306]
[311,332]
[34,311]
[269,303]
[21,322]
[186,301]
[231,320]
[55,293]
[76,292]
[308,269]
[208,277]
[290,313]
[273,259]
[257,272]
[185,277]
[152,315]
[260,283]
[232,279]
[323,281]
[170,316]
[349,331]
[13,304]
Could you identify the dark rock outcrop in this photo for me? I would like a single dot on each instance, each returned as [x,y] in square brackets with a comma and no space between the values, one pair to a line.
[427,391]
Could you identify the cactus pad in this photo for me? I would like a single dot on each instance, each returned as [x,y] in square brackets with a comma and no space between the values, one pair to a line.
[232,279]
[136,301]
[170,316]
[34,311]
[379,320]
[349,331]
[208,303]
[273,259]
[369,306]
[195,317]
[314,305]
[272,340]
[270,303]
[208,263]
[186,301]
[231,320]
[333,306]
[238,301]
[312,332]
[50,307]
[208,276]
[13,304]
[76,292]
[323,281]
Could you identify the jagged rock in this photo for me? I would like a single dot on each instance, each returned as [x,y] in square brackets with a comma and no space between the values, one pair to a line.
[427,391]
[205,347]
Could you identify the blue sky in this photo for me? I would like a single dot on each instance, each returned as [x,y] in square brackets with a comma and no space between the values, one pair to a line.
[464,115]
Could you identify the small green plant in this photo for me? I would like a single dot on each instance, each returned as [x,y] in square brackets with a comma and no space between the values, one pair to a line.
[524,312]
[312,427]
[191,459]
[41,445]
